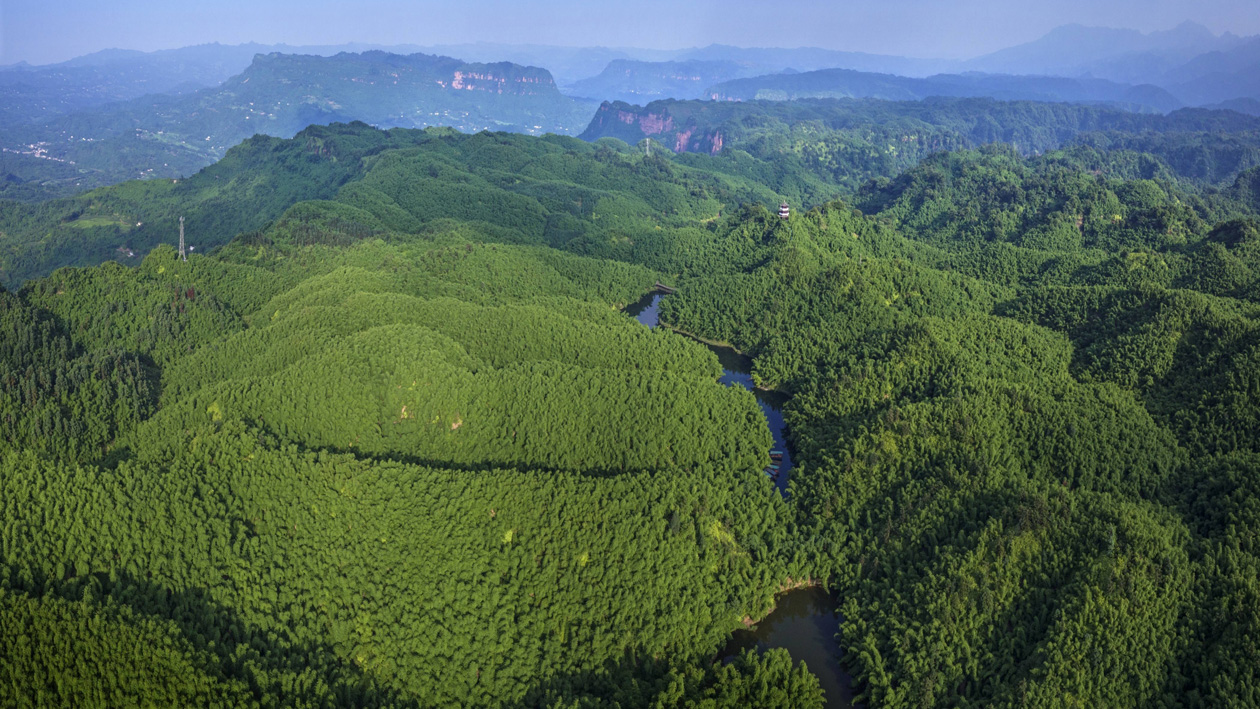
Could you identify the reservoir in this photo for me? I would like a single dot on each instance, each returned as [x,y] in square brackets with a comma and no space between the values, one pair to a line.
[736,371]
[805,621]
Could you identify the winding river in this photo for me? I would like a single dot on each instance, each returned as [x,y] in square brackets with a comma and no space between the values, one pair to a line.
[736,371]
[804,621]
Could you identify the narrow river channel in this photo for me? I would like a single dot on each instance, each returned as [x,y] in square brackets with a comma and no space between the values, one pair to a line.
[736,371]
[805,621]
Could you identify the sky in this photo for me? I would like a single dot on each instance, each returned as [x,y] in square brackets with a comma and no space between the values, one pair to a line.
[46,31]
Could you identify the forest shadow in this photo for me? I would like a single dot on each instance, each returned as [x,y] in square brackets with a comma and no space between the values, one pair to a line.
[484,466]
[262,661]
[624,681]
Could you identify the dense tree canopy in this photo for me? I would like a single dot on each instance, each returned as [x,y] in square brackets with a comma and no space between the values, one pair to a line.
[394,444]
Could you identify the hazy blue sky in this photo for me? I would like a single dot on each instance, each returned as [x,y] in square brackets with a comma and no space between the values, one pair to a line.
[42,31]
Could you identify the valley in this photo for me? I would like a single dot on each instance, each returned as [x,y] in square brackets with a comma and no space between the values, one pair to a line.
[963,386]
[540,378]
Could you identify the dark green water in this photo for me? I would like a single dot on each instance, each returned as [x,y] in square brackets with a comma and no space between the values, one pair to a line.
[736,371]
[804,622]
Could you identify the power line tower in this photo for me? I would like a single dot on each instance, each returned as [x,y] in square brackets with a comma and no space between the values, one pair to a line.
[649,147]
[183,253]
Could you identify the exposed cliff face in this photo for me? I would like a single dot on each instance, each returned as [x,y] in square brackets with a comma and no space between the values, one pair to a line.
[649,123]
[501,78]
[284,93]
[416,71]
[634,123]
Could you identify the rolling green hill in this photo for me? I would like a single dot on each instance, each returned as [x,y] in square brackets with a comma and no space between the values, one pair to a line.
[849,141]
[556,191]
[394,443]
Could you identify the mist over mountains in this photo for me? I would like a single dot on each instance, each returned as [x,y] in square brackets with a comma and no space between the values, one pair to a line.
[845,83]
[173,134]
[1118,54]
[1190,61]
[122,114]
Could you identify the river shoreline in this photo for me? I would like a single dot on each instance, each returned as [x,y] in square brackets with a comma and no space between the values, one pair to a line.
[803,618]
[631,309]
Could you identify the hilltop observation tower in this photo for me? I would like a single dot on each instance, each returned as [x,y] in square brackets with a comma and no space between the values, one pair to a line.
[783,211]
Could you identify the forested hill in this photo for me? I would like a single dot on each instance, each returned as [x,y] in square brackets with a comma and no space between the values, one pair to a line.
[558,191]
[393,443]
[807,152]
[280,94]
[398,447]
[846,83]
[1026,398]
[503,493]
[849,141]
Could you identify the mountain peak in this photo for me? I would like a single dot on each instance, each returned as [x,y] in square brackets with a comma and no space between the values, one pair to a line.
[1188,32]
[1114,53]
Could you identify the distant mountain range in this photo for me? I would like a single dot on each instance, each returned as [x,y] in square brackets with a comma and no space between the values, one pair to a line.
[898,126]
[691,75]
[1190,61]
[1185,66]
[279,94]
[120,114]
[571,65]
[640,82]
[1249,106]
[1122,55]
[845,83]
[34,93]
[1218,76]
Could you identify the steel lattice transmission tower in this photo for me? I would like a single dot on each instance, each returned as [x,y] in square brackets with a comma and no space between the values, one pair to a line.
[183,253]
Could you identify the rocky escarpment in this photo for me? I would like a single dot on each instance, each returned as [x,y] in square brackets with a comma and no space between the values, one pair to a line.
[381,72]
[501,78]
[635,123]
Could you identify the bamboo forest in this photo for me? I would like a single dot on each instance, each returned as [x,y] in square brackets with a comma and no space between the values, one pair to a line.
[390,435]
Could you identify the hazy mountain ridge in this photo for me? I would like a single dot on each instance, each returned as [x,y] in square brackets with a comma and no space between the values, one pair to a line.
[280,94]
[813,58]
[1190,61]
[1250,106]
[639,82]
[1189,64]
[33,93]
[571,65]
[1196,65]
[1075,50]
[1219,76]
[689,73]
[121,114]
[844,83]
